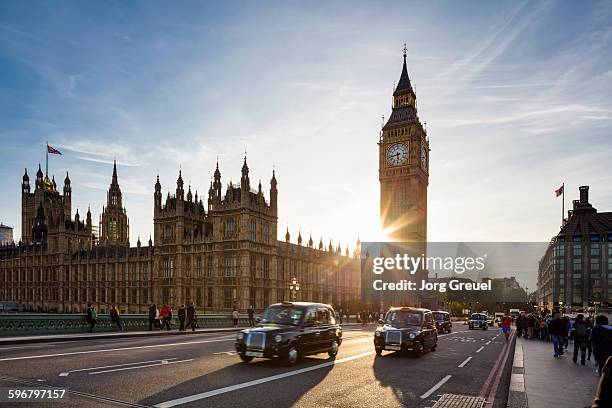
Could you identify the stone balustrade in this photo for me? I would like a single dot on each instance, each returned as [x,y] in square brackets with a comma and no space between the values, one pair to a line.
[20,324]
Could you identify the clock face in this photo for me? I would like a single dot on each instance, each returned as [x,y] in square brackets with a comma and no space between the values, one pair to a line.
[424,157]
[397,154]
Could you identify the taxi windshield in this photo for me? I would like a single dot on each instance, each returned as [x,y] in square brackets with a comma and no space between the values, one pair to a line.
[283,315]
[479,317]
[440,316]
[404,317]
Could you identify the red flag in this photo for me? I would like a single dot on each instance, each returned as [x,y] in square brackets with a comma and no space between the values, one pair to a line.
[559,191]
[53,150]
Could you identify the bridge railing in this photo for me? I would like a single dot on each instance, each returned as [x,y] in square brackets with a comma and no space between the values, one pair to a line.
[23,324]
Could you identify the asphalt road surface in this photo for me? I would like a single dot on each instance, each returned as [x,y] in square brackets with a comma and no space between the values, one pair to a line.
[203,370]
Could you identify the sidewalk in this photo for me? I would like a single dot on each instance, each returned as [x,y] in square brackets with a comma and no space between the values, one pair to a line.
[48,338]
[541,381]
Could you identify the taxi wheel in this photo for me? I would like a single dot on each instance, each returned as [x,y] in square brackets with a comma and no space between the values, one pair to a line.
[292,355]
[246,359]
[418,349]
[333,351]
[434,347]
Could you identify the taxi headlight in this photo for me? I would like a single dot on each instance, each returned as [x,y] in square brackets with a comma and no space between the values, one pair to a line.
[278,338]
[378,333]
[240,336]
[412,335]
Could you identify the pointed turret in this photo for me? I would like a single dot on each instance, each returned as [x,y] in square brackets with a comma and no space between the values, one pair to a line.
[88,219]
[321,244]
[287,235]
[157,196]
[299,237]
[404,101]
[310,243]
[114,181]
[273,193]
[25,183]
[67,197]
[217,181]
[189,195]
[404,85]
[180,192]
[39,177]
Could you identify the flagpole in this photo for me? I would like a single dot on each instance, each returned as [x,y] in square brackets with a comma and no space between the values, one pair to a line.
[47,165]
[563,205]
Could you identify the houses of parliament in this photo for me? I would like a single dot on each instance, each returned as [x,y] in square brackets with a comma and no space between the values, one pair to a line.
[220,253]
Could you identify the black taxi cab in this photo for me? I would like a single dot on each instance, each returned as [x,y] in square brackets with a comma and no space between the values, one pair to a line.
[406,329]
[290,330]
[478,321]
[443,321]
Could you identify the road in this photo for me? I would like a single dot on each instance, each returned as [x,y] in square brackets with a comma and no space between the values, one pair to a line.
[202,370]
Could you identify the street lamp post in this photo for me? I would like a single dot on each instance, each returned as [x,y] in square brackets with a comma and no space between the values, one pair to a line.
[294,287]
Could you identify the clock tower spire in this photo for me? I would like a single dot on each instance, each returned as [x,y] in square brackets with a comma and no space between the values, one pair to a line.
[403,168]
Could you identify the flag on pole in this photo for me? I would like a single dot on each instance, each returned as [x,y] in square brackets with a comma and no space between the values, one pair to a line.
[53,150]
[559,191]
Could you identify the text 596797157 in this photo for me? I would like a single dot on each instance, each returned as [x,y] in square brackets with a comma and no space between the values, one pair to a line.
[15,394]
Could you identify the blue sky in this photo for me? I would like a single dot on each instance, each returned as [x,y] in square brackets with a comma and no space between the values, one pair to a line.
[517,97]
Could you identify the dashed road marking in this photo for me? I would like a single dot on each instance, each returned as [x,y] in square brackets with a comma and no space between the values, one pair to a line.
[163,362]
[467,360]
[435,387]
[480,349]
[67,373]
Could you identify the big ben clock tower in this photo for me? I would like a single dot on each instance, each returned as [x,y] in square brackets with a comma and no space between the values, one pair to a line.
[403,168]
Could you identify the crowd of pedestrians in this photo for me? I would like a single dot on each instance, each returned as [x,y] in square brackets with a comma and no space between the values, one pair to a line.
[158,319]
[590,337]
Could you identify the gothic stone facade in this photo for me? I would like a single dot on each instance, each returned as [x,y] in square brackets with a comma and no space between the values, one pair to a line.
[223,256]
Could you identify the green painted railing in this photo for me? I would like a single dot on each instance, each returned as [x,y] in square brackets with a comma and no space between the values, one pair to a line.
[23,324]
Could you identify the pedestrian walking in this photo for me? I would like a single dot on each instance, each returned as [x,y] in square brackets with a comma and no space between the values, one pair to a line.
[92,317]
[520,320]
[166,316]
[603,394]
[556,329]
[191,317]
[235,316]
[567,330]
[530,323]
[506,326]
[580,335]
[182,315]
[589,322]
[115,317]
[153,315]
[251,313]
[601,341]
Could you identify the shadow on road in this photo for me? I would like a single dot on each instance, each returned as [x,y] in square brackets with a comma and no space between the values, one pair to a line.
[285,394]
[397,371]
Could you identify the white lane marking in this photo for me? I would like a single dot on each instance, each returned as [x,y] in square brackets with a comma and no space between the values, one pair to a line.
[488,342]
[435,387]
[229,353]
[464,362]
[480,349]
[163,362]
[113,349]
[67,373]
[203,395]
